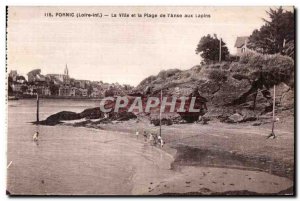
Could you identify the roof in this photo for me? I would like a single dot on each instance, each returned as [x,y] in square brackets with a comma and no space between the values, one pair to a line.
[240,41]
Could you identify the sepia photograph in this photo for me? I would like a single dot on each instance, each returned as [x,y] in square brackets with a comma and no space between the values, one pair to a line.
[150,101]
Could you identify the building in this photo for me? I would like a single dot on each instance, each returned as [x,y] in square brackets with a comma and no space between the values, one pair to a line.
[96,93]
[80,83]
[46,91]
[73,91]
[56,78]
[62,78]
[16,87]
[31,90]
[64,90]
[84,92]
[241,45]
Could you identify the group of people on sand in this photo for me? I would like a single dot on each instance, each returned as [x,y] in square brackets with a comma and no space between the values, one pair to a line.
[152,138]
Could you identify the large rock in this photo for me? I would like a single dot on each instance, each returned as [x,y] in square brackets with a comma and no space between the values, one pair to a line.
[229,91]
[287,100]
[284,96]
[208,89]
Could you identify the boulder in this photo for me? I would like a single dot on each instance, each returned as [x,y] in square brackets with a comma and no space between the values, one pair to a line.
[235,118]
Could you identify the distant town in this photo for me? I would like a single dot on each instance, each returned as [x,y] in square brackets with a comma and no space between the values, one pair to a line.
[60,86]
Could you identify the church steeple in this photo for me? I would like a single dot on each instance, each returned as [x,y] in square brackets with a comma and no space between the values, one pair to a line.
[66,72]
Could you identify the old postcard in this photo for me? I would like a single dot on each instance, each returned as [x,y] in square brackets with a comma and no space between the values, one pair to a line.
[150,100]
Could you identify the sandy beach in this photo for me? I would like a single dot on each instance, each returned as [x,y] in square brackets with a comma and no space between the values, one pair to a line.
[109,163]
[108,159]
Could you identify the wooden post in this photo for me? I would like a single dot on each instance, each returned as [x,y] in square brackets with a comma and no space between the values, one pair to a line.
[220,50]
[274,100]
[160,112]
[37,109]
[273,120]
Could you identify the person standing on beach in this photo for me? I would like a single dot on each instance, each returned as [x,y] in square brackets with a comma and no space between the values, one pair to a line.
[35,137]
[137,134]
[160,140]
[145,136]
[151,139]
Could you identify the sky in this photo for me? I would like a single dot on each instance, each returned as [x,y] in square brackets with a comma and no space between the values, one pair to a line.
[119,49]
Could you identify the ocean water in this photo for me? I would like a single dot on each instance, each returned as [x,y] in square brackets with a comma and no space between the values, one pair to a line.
[76,161]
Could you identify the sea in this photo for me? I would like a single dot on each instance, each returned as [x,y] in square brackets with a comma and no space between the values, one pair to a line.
[70,160]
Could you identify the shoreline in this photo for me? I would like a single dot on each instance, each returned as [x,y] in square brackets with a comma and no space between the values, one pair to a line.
[56,97]
[202,159]
[174,146]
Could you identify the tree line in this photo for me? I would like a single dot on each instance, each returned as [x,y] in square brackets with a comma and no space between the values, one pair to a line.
[276,36]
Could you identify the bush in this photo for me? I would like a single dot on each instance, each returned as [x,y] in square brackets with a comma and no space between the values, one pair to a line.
[253,59]
[278,69]
[186,75]
[273,68]
[217,75]
[197,68]
[280,61]
[240,77]
[225,66]
[167,73]
[148,80]
[232,58]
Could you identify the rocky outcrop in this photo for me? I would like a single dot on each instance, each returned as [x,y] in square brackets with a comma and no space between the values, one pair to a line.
[90,113]
[61,116]
[227,93]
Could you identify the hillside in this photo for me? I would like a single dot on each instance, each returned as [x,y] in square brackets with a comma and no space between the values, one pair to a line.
[227,91]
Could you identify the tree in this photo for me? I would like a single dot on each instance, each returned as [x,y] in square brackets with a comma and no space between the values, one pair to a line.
[289,49]
[20,79]
[263,72]
[276,35]
[209,48]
